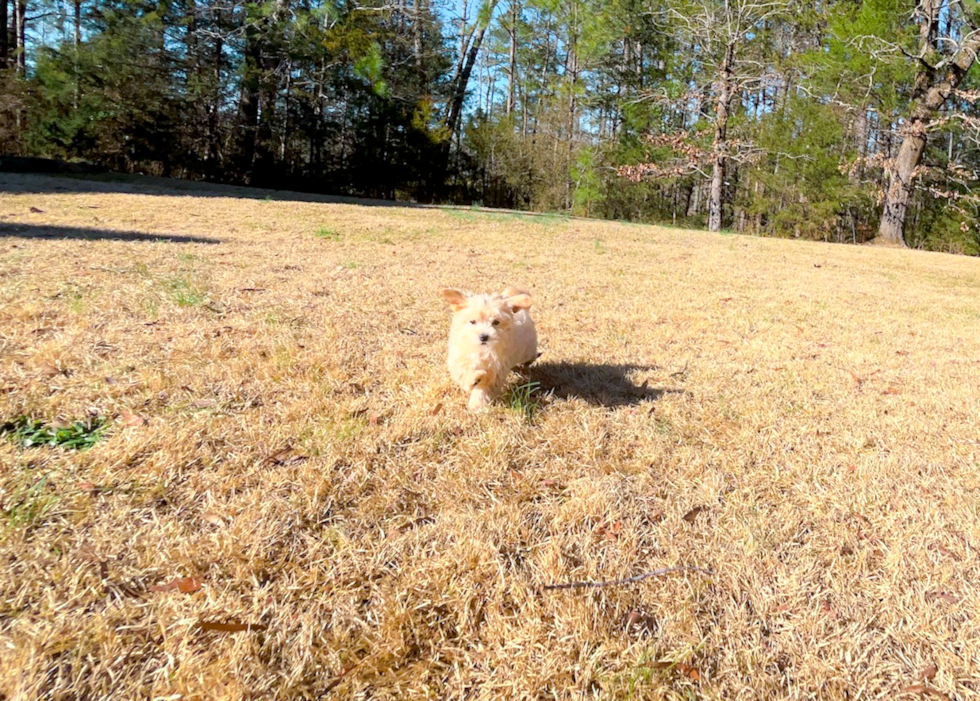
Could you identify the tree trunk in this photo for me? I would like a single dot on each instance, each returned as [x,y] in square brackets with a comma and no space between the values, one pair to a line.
[901,178]
[248,105]
[78,40]
[723,89]
[20,35]
[512,64]
[4,35]
[463,81]
[933,86]
[418,7]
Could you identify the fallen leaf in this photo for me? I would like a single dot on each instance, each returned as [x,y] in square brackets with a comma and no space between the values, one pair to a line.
[610,531]
[641,621]
[942,596]
[945,552]
[286,456]
[423,521]
[693,513]
[923,689]
[86,487]
[436,409]
[929,672]
[35,210]
[213,518]
[185,585]
[48,370]
[688,671]
[230,626]
[87,552]
[130,419]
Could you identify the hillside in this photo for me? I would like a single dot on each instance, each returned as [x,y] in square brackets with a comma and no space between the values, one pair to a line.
[289,497]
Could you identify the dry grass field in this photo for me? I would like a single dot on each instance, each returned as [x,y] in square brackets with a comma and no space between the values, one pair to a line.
[290,501]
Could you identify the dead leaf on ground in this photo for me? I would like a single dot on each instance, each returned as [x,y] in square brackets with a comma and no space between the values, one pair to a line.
[87,553]
[688,671]
[185,585]
[943,596]
[286,456]
[436,409]
[640,621]
[923,689]
[48,370]
[230,626]
[128,418]
[610,530]
[929,672]
[213,519]
[693,513]
[35,210]
[945,552]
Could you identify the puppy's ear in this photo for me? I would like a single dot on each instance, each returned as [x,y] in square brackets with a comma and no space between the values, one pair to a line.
[456,299]
[519,301]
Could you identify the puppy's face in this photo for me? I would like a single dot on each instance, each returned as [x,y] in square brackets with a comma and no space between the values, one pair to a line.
[484,319]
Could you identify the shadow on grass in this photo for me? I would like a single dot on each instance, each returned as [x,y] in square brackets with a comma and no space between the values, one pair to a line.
[42,181]
[601,385]
[38,231]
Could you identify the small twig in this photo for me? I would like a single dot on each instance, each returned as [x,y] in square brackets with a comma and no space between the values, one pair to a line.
[680,372]
[628,580]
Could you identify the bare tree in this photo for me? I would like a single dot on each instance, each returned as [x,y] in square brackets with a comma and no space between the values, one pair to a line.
[471,39]
[727,45]
[943,61]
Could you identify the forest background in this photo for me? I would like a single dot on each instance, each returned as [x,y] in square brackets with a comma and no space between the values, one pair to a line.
[840,120]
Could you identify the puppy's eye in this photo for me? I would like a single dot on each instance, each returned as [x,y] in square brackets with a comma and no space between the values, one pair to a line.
[496,322]
[472,321]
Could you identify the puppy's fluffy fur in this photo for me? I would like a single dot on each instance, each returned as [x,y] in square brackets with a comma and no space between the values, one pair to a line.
[490,335]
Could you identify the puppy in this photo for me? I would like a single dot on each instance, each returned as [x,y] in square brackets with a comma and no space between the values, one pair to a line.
[490,334]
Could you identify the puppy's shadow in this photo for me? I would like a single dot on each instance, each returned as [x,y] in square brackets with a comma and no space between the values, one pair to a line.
[602,385]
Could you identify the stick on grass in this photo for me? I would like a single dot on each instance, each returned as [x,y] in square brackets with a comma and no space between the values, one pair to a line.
[628,580]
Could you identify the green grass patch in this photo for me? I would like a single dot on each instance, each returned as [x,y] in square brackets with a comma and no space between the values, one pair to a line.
[183,291]
[328,234]
[32,433]
[524,399]
[29,504]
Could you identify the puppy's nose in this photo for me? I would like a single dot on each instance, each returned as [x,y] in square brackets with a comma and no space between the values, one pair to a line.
[484,337]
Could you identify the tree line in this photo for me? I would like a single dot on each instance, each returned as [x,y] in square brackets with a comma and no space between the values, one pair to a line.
[844,120]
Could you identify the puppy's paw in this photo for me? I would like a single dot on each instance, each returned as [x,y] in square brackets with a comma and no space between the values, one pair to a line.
[477,378]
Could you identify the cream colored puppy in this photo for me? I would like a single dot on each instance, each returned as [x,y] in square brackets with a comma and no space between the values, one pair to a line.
[490,335]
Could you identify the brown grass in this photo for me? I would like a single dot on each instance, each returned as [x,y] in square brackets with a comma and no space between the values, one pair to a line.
[307,457]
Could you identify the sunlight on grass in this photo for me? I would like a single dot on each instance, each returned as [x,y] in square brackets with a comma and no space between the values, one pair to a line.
[781,413]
